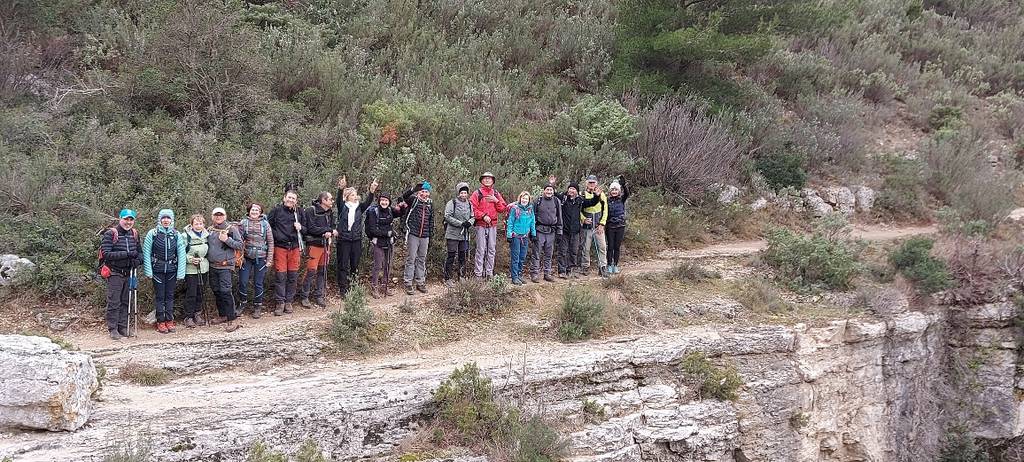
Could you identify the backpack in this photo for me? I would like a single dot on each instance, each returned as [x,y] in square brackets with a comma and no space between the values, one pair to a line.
[101,266]
[243,232]
[480,195]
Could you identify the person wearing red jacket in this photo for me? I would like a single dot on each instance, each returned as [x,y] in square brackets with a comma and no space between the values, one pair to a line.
[487,204]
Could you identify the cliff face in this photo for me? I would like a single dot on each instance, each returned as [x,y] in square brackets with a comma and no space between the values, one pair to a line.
[854,390]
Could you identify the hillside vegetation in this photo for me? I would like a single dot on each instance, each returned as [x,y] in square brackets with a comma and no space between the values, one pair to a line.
[195,104]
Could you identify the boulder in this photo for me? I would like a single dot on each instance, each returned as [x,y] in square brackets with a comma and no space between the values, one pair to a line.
[817,206]
[11,266]
[727,194]
[44,387]
[759,204]
[840,198]
[864,198]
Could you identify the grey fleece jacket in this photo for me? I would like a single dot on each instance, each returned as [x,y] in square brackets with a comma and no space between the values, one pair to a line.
[455,213]
[549,214]
[222,254]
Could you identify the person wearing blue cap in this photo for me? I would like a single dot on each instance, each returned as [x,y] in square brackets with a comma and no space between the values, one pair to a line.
[419,223]
[119,255]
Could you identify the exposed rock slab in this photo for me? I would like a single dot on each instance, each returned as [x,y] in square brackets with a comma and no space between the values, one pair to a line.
[43,386]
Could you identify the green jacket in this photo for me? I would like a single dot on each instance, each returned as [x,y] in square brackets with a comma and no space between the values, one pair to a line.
[196,246]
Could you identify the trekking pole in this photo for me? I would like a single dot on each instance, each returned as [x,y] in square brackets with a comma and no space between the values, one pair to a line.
[202,299]
[327,262]
[133,303]
[302,245]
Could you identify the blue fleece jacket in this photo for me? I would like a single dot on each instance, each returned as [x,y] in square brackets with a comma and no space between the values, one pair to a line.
[521,221]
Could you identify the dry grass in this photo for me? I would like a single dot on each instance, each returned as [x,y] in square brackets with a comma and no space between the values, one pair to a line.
[141,374]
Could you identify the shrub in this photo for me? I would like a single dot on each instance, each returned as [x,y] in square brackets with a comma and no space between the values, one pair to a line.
[351,327]
[902,194]
[685,148]
[711,381]
[596,121]
[761,296]
[582,314]
[689,271]
[140,374]
[959,446]
[310,452]
[958,173]
[945,117]
[259,452]
[982,270]
[470,296]
[913,259]
[466,406]
[130,446]
[593,411]
[783,169]
[818,261]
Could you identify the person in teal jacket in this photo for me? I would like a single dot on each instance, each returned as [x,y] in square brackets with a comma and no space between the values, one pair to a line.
[163,260]
[520,229]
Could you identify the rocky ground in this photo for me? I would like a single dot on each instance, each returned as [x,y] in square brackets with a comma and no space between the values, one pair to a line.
[838,386]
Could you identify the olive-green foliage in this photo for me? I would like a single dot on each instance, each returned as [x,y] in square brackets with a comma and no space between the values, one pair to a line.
[471,296]
[959,174]
[913,259]
[761,296]
[310,452]
[582,314]
[959,446]
[823,260]
[350,327]
[141,374]
[903,192]
[688,271]
[259,452]
[783,170]
[466,405]
[595,121]
[711,381]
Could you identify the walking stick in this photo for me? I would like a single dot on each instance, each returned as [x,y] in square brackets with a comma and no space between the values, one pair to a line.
[302,245]
[327,262]
[133,302]
[387,269]
[202,299]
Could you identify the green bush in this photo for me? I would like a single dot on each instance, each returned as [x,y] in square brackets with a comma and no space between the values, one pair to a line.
[596,121]
[466,406]
[350,327]
[818,261]
[945,117]
[470,296]
[959,446]
[259,452]
[582,314]
[689,271]
[783,169]
[310,452]
[711,381]
[761,297]
[903,192]
[913,259]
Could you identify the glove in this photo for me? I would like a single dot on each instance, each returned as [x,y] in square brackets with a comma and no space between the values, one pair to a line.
[467,224]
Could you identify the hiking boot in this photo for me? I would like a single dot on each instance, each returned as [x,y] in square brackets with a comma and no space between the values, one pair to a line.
[306,304]
[190,323]
[161,327]
[422,288]
[199,320]
[122,332]
[257,311]
[408,289]
[549,278]
[387,292]
[320,303]
[115,335]
[279,309]
[231,326]
[218,320]
[517,281]
[373,293]
[563,276]
[170,326]
[535,278]
[584,272]
[239,311]
[603,272]
[288,308]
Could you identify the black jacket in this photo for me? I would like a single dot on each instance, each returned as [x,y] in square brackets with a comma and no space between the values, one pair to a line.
[419,220]
[379,225]
[123,254]
[315,222]
[356,232]
[617,209]
[282,224]
[572,209]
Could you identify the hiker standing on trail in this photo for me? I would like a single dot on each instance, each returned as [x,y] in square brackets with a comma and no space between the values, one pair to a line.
[617,195]
[195,236]
[258,254]
[458,219]
[569,240]
[419,223]
[350,232]
[163,261]
[548,213]
[520,230]
[595,216]
[223,241]
[487,203]
[379,219]
[119,254]
[285,226]
[319,226]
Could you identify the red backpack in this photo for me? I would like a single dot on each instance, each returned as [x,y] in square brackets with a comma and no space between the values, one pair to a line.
[102,267]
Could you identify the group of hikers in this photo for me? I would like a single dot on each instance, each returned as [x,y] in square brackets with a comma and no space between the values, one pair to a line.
[574,221]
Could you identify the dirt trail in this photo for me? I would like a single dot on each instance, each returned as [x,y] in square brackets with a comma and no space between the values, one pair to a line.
[270,325]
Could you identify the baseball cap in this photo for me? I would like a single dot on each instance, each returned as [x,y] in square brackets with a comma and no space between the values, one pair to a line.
[218,210]
[592,178]
[127,213]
